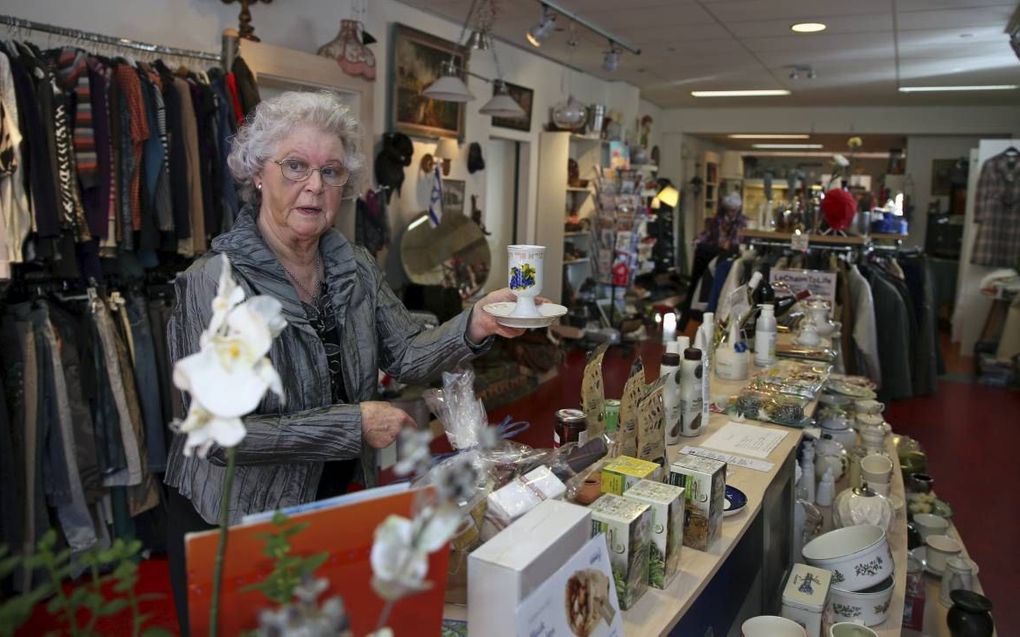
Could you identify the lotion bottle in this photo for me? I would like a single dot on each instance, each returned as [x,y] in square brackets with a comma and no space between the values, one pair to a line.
[731,358]
[765,337]
[670,368]
[692,398]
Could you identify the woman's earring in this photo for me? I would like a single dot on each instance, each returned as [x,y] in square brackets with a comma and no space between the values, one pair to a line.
[258,187]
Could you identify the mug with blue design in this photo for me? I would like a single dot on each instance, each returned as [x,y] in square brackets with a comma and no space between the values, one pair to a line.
[524,265]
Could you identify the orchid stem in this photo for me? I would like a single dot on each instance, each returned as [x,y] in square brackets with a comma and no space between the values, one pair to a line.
[221,549]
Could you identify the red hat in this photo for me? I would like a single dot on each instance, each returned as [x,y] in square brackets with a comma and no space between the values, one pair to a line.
[838,208]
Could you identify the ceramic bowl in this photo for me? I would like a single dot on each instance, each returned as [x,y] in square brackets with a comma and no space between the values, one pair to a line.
[870,606]
[771,626]
[850,629]
[939,549]
[869,406]
[858,556]
[929,524]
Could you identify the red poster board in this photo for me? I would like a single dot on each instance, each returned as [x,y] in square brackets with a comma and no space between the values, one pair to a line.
[346,532]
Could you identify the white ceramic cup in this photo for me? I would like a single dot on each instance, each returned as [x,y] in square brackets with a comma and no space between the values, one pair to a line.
[850,629]
[880,488]
[771,626]
[928,524]
[524,270]
[869,407]
[869,420]
[940,549]
[876,468]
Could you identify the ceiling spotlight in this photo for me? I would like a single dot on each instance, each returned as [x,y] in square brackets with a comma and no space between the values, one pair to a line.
[807,27]
[543,29]
[798,71]
[612,58]
[794,74]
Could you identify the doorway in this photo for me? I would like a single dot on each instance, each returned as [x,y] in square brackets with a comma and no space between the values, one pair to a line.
[505,218]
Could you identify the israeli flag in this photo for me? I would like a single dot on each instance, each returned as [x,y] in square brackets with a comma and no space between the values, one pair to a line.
[436,199]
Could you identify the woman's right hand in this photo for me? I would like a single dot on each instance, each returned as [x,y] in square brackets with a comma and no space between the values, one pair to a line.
[381,423]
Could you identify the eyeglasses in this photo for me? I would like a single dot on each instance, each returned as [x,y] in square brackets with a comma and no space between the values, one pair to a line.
[333,175]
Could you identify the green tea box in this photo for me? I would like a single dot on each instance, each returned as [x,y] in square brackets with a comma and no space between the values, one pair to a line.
[704,483]
[667,504]
[623,472]
[627,525]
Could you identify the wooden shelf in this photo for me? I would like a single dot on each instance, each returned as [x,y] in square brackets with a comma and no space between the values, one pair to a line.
[814,238]
[574,137]
[884,236]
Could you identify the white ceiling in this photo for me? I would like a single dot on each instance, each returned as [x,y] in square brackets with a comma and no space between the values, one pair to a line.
[869,48]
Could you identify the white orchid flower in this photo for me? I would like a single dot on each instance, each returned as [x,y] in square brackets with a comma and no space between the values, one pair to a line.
[203,429]
[416,457]
[400,551]
[229,374]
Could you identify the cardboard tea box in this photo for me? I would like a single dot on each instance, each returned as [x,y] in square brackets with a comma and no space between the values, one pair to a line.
[667,504]
[704,483]
[623,472]
[627,525]
[519,496]
[805,596]
[509,567]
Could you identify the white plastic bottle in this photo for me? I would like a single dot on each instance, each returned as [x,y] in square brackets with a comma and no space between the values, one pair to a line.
[692,397]
[704,340]
[731,359]
[765,337]
[670,368]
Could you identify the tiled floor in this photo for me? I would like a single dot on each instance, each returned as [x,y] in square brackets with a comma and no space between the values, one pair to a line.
[971,434]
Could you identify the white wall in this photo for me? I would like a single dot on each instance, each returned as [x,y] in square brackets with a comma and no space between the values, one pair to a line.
[921,151]
[499,206]
[307,24]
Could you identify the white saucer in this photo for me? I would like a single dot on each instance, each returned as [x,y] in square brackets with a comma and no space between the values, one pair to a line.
[548,313]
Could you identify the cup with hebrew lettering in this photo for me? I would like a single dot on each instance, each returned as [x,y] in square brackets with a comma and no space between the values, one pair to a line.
[525,265]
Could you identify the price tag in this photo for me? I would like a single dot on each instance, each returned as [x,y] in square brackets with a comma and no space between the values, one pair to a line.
[799,241]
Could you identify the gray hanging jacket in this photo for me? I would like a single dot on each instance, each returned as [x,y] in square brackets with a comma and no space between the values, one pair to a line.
[280,460]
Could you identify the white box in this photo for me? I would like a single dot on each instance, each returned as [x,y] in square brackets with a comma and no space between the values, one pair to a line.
[519,496]
[509,567]
[805,597]
[668,505]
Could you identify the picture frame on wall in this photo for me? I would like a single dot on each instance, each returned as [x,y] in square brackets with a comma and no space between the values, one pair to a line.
[454,193]
[523,96]
[416,60]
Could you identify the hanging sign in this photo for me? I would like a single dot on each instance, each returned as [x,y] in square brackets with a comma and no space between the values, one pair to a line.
[819,283]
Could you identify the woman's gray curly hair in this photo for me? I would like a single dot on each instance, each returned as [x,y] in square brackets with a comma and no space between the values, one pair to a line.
[273,119]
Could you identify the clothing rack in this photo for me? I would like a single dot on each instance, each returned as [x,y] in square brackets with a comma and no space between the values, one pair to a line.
[771,243]
[19,23]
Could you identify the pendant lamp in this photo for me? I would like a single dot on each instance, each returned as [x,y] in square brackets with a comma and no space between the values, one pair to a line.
[502,104]
[449,87]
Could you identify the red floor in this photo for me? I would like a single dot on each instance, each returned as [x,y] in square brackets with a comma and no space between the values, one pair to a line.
[970,432]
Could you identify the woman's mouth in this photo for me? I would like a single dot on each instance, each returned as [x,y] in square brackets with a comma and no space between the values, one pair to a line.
[309,210]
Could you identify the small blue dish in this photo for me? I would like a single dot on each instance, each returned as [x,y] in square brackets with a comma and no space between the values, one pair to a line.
[735,501]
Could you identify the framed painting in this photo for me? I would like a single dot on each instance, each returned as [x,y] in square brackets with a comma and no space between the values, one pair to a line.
[453,195]
[523,96]
[416,62]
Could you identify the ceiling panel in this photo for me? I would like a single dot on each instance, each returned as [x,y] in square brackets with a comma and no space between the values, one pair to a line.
[956,19]
[823,43]
[756,28]
[904,6]
[796,10]
[712,44]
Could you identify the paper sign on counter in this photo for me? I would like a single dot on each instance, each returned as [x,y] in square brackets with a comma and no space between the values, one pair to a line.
[579,599]
[731,459]
[746,440]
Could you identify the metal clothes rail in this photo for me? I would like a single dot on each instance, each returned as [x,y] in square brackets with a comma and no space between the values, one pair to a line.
[20,23]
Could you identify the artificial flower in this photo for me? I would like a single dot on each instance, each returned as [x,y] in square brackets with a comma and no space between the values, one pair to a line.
[203,429]
[401,547]
[416,457]
[457,480]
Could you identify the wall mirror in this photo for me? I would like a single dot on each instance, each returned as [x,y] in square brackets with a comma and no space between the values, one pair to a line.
[453,254]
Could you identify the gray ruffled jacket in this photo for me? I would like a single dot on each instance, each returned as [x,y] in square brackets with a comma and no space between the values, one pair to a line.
[280,460]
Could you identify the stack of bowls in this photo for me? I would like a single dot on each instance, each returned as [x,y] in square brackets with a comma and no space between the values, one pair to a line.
[862,572]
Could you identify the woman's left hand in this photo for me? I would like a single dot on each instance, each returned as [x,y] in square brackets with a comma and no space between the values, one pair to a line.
[484,324]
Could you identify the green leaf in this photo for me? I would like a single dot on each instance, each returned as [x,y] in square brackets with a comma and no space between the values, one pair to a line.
[313,562]
[114,606]
[149,597]
[280,518]
[48,540]
[8,565]
[56,605]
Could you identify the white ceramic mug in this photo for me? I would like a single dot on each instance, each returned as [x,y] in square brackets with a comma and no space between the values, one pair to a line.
[850,629]
[524,270]
[876,468]
[959,575]
[940,549]
[771,626]
[928,524]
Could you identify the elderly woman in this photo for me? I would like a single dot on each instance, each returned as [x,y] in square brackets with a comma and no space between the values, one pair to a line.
[292,161]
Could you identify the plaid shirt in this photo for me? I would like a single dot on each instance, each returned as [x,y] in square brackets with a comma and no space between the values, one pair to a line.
[997,210]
